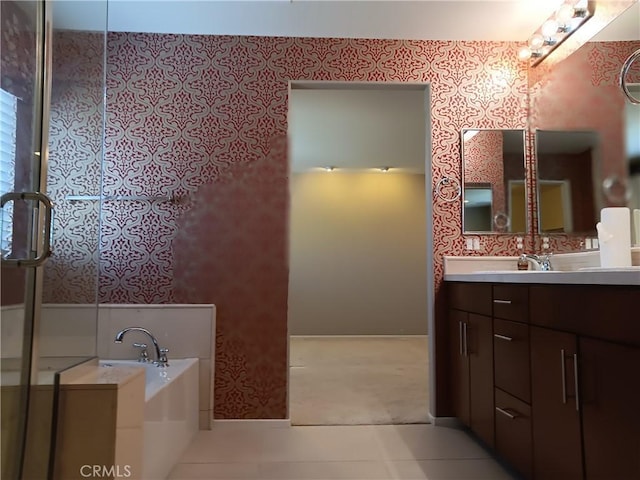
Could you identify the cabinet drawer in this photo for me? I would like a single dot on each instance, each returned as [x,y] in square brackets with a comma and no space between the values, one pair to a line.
[511,302]
[470,297]
[513,432]
[511,356]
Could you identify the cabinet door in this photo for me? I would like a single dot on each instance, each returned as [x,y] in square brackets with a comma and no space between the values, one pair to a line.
[557,451]
[610,409]
[480,352]
[513,432]
[459,375]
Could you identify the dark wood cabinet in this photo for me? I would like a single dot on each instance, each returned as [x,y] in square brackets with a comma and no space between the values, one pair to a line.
[472,371]
[480,354]
[513,431]
[459,362]
[557,449]
[511,356]
[610,400]
[471,358]
[547,376]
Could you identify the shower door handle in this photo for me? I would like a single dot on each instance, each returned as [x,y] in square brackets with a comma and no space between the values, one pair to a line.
[45,251]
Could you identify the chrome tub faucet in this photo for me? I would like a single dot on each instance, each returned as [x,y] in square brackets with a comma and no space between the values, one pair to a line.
[161,353]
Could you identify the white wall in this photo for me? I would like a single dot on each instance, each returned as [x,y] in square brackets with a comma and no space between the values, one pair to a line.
[357,254]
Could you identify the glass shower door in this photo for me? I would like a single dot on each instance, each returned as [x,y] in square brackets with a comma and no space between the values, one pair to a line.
[51,140]
[23,223]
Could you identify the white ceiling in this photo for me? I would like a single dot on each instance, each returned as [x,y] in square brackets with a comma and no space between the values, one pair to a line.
[394,19]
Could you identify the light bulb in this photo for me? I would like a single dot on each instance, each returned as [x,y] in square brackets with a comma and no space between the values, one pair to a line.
[536,42]
[549,28]
[524,53]
[565,14]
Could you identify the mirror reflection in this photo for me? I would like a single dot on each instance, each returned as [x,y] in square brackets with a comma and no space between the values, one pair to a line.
[567,173]
[632,136]
[582,93]
[493,175]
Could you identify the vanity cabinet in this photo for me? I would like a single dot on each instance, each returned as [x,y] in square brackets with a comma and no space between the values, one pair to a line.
[565,365]
[557,449]
[471,357]
[511,375]
[610,400]
[598,328]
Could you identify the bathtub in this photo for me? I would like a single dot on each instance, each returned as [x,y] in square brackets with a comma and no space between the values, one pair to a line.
[170,413]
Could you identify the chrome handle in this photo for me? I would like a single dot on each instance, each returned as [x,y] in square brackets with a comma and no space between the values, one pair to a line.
[48,219]
[466,340]
[460,339]
[576,382]
[502,337]
[506,413]
[564,376]
[503,302]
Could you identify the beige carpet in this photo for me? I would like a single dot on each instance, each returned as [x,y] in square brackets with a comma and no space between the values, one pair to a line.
[358,381]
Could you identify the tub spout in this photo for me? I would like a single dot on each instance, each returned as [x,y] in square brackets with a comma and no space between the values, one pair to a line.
[161,353]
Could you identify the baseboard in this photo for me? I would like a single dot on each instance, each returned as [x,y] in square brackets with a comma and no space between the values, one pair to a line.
[257,423]
[451,422]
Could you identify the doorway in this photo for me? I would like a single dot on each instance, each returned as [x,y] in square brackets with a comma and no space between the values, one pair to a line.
[358,254]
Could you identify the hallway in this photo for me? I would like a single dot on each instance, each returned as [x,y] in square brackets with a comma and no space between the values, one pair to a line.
[353,380]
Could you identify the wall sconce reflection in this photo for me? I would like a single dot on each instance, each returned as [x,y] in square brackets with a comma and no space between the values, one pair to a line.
[567,19]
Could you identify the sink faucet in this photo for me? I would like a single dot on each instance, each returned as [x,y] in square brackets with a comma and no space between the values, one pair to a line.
[539,262]
[161,353]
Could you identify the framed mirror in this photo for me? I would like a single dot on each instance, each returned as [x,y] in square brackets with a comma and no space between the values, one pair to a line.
[494,193]
[567,174]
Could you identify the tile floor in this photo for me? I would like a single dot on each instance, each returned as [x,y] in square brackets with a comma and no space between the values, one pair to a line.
[367,452]
[353,380]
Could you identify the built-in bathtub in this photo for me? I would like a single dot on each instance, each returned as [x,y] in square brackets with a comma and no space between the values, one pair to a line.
[170,412]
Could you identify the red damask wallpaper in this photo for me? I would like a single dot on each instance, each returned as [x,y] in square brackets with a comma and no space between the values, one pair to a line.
[204,119]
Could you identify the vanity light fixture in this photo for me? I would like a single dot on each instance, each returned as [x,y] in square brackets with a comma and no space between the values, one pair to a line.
[570,16]
[384,169]
[329,168]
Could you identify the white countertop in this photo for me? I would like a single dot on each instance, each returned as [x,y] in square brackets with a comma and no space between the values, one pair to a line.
[554,277]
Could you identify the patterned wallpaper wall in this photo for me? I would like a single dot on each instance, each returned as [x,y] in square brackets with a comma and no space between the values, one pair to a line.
[75,164]
[204,119]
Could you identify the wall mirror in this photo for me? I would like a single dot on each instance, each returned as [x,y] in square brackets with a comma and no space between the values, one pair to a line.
[493,177]
[567,167]
[580,97]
